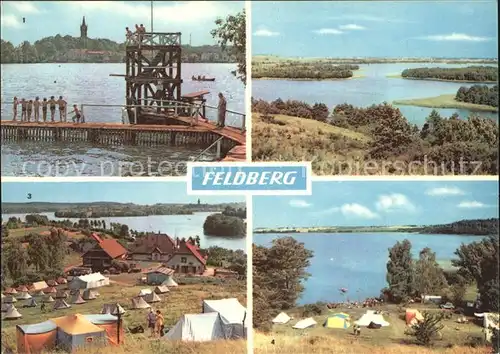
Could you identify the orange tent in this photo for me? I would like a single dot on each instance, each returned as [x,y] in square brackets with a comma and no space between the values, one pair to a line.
[413,316]
[36,337]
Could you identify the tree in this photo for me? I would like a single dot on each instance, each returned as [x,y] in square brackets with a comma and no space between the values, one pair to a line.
[56,243]
[16,259]
[429,276]
[232,31]
[479,261]
[38,252]
[124,230]
[428,329]
[278,273]
[400,272]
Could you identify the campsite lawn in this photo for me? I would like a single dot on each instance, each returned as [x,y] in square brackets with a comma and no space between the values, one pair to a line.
[185,299]
[452,333]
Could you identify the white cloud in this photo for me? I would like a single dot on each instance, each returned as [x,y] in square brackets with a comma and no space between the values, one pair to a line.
[394,202]
[328,31]
[10,21]
[299,203]
[440,191]
[24,7]
[265,33]
[357,210]
[471,204]
[455,37]
[352,27]
[166,12]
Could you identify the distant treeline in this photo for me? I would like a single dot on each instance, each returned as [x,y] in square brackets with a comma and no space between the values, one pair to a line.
[101,209]
[294,108]
[301,70]
[470,73]
[465,227]
[238,212]
[478,94]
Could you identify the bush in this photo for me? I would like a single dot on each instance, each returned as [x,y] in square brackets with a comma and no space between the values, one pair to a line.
[222,225]
[428,329]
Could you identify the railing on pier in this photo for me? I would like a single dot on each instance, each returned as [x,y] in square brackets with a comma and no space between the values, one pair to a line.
[154,39]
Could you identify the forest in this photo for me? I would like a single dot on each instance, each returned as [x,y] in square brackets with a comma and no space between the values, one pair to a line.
[300,70]
[478,94]
[465,227]
[224,226]
[68,49]
[470,73]
[451,143]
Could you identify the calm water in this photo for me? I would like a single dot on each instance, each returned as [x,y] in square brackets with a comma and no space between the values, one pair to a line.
[91,84]
[173,225]
[374,88]
[358,261]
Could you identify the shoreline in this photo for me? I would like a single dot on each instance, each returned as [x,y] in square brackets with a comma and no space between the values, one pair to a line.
[398,76]
[445,102]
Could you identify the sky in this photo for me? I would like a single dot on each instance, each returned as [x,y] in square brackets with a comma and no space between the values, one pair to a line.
[145,193]
[378,203]
[108,19]
[466,29]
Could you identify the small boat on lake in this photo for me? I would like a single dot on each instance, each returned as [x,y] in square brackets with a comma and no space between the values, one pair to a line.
[202,78]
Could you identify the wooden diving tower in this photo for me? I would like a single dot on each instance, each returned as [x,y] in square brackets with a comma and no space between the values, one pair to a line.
[155,111]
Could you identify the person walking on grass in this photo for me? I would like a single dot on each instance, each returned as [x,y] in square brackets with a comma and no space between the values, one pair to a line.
[221,111]
[159,323]
[151,320]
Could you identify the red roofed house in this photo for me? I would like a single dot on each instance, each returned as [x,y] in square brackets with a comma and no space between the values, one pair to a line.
[153,247]
[99,257]
[187,259]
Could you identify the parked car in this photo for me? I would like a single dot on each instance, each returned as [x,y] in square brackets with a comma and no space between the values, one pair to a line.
[447,306]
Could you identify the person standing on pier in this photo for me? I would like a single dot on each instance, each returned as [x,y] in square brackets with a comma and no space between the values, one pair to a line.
[52,105]
[24,105]
[15,103]
[221,110]
[36,109]
[78,115]
[30,108]
[44,109]
[62,109]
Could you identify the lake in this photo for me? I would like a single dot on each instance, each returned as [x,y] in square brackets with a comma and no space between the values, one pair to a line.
[358,261]
[373,88]
[91,84]
[173,225]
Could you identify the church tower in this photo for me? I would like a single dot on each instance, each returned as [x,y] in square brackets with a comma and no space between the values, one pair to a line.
[83,29]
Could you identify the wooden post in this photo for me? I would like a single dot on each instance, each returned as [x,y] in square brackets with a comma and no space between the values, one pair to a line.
[218,154]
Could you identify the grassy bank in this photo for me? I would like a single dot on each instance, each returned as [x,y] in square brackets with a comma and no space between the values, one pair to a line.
[391,339]
[185,299]
[445,101]
[288,138]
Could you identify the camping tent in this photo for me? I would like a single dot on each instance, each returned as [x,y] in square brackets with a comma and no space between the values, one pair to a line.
[170,282]
[413,316]
[48,299]
[144,292]
[139,303]
[6,307]
[162,289]
[22,289]
[112,309]
[371,316]
[75,331]
[2,296]
[31,303]
[61,280]
[198,328]
[305,323]
[89,295]
[89,281]
[38,293]
[77,299]
[110,324]
[150,298]
[60,304]
[50,290]
[12,314]
[39,285]
[33,338]
[24,296]
[490,320]
[282,318]
[338,320]
[9,299]
[232,313]
[10,291]
[61,294]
